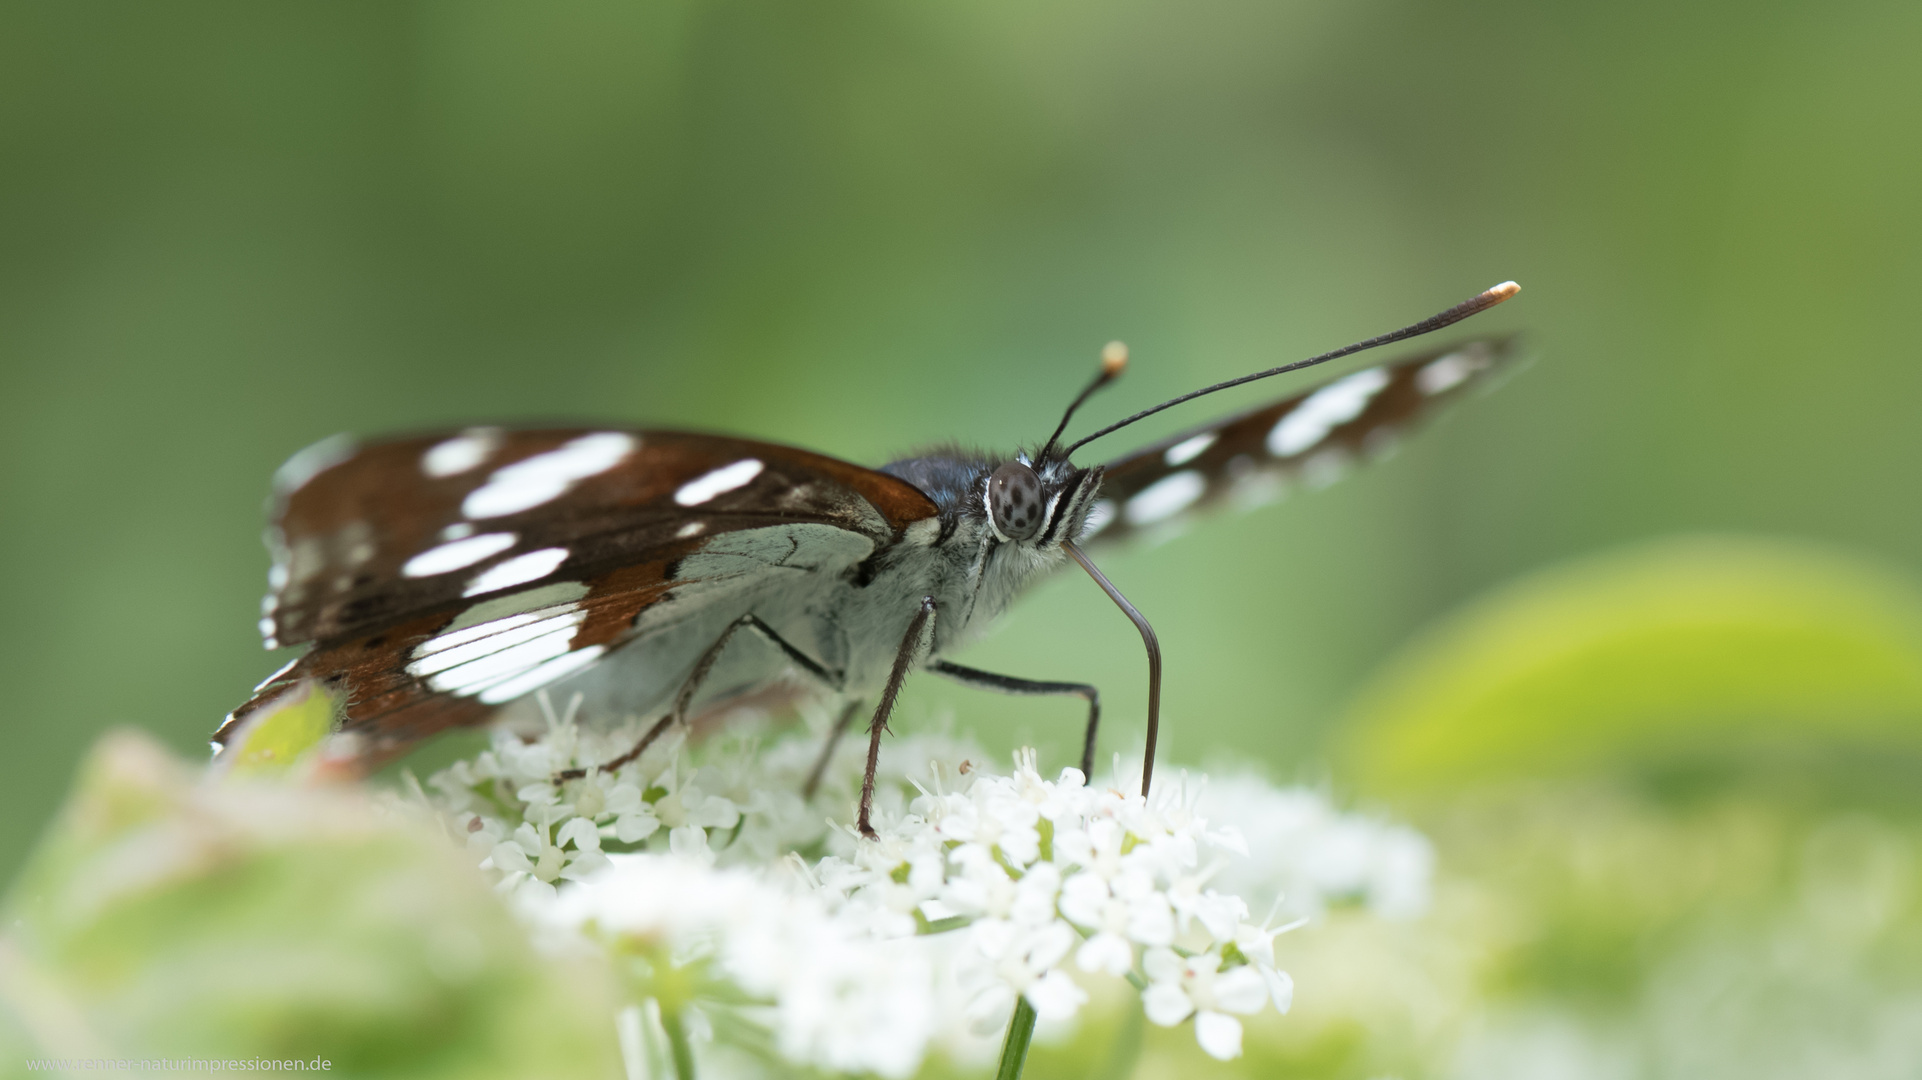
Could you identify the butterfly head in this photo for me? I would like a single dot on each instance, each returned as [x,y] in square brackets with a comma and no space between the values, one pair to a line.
[1038,504]
[1043,500]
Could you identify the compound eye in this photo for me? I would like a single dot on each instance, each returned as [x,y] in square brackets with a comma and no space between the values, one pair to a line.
[1014,499]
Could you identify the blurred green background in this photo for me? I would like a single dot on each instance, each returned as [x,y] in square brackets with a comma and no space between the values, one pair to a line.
[229,230]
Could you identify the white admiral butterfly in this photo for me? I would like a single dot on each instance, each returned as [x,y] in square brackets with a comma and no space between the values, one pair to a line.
[437,577]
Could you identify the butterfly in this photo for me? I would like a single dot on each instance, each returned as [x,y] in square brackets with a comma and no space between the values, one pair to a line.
[438,578]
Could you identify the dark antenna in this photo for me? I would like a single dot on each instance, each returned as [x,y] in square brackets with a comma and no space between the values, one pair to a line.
[1482,302]
[1114,360]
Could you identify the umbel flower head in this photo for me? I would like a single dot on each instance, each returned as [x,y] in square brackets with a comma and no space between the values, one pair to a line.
[737,908]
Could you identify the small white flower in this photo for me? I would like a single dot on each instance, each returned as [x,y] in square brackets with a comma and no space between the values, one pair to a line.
[1122,913]
[1024,960]
[1257,943]
[690,842]
[1220,915]
[1196,986]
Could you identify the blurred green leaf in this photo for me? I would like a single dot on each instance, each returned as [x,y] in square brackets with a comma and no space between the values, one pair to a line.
[1688,649]
[276,736]
[164,915]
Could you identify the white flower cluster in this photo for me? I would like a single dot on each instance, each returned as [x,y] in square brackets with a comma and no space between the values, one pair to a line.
[834,995]
[858,955]
[1044,873]
[536,833]
[1313,854]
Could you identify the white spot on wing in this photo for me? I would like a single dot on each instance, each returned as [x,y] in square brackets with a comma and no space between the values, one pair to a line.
[526,601]
[1165,498]
[457,555]
[530,482]
[277,576]
[457,531]
[1187,450]
[465,451]
[476,675]
[1258,487]
[1445,373]
[284,669]
[1381,444]
[1325,468]
[692,528]
[1099,515]
[497,659]
[530,681]
[311,462]
[516,571]
[267,631]
[449,651]
[448,639]
[1324,410]
[721,480]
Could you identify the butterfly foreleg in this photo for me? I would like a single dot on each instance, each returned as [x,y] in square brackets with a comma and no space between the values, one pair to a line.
[695,678]
[1008,684]
[918,628]
[827,750]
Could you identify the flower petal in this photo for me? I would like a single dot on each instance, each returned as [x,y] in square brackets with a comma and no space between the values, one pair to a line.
[689,841]
[508,856]
[1281,987]
[1240,990]
[582,832]
[1165,1004]
[1162,965]
[1055,996]
[631,827]
[1104,952]
[1219,1035]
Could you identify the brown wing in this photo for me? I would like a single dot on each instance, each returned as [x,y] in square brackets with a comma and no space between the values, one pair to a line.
[1310,439]
[438,576]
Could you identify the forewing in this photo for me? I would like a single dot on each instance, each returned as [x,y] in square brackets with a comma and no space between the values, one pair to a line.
[440,575]
[1311,439]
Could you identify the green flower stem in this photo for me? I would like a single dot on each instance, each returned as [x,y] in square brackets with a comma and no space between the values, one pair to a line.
[678,1043]
[1014,1052]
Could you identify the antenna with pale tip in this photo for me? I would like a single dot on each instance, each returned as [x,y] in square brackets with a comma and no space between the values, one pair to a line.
[1114,360]
[1480,302]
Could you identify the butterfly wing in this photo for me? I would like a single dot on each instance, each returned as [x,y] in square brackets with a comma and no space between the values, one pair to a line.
[1311,438]
[439,576]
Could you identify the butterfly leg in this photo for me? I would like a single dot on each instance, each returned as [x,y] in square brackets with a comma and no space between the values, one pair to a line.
[695,678]
[1008,684]
[918,628]
[827,750]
